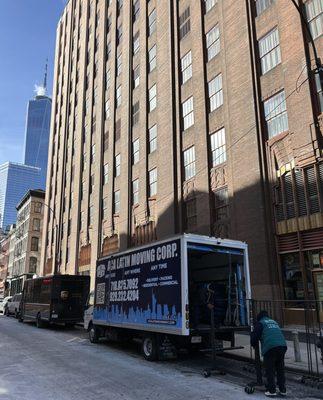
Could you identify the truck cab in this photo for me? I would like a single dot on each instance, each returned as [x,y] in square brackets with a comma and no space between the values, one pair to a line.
[88,313]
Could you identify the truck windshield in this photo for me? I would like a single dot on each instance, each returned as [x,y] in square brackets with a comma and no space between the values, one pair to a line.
[216,285]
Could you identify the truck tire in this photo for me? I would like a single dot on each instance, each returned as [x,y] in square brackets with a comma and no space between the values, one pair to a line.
[94,334]
[39,322]
[150,347]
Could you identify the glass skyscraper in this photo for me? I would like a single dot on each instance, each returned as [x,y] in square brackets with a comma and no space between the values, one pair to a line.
[37,133]
[15,180]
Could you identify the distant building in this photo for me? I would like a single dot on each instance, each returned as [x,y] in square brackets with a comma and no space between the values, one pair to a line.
[12,241]
[15,180]
[28,234]
[4,258]
[37,131]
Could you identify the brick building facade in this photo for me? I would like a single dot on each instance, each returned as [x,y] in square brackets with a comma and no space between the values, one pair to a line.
[196,116]
[27,239]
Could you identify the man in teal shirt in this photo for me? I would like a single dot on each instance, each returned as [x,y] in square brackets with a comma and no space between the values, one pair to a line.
[273,349]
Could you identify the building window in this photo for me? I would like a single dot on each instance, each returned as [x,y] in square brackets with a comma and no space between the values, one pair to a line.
[87,106]
[191,214]
[136,10]
[269,51]
[67,255]
[186,66]
[135,113]
[136,43]
[117,164]
[92,152]
[119,64]
[152,58]
[91,184]
[32,265]
[91,214]
[184,23]
[135,151]
[312,190]
[37,207]
[319,92]
[107,109]
[69,224]
[221,201]
[105,208]
[262,5]
[34,244]
[314,11]
[135,191]
[209,4]
[152,22]
[116,202]
[107,79]
[82,221]
[119,35]
[118,96]
[118,129]
[189,163]
[106,141]
[152,138]
[152,97]
[215,93]
[213,42]
[105,174]
[36,224]
[108,50]
[276,114]
[188,113]
[119,6]
[136,76]
[218,147]
[95,95]
[153,182]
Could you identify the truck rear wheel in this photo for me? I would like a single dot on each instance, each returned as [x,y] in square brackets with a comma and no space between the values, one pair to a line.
[150,348]
[39,322]
[94,334]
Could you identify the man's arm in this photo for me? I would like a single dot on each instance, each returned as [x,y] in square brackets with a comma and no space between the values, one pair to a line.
[255,335]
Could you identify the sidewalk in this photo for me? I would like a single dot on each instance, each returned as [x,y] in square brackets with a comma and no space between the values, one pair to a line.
[303,366]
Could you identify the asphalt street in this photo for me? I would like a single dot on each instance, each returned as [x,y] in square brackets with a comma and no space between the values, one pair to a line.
[61,364]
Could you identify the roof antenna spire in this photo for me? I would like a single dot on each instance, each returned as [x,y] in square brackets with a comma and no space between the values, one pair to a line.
[45,77]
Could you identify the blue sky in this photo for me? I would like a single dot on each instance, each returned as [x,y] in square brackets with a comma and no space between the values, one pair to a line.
[27,38]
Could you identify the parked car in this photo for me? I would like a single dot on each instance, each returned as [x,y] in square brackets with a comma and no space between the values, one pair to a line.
[13,306]
[4,303]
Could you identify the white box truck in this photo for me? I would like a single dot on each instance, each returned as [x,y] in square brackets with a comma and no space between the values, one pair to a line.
[164,293]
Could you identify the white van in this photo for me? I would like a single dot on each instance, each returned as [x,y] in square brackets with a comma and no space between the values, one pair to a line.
[4,303]
[13,306]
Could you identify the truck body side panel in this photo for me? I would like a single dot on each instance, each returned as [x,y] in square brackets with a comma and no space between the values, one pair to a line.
[141,289]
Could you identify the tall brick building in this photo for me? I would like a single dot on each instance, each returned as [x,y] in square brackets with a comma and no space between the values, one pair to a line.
[196,116]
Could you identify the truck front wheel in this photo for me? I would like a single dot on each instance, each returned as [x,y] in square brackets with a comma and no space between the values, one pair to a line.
[150,347]
[94,334]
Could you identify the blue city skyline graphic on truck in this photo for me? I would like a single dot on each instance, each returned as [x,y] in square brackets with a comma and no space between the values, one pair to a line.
[155,314]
